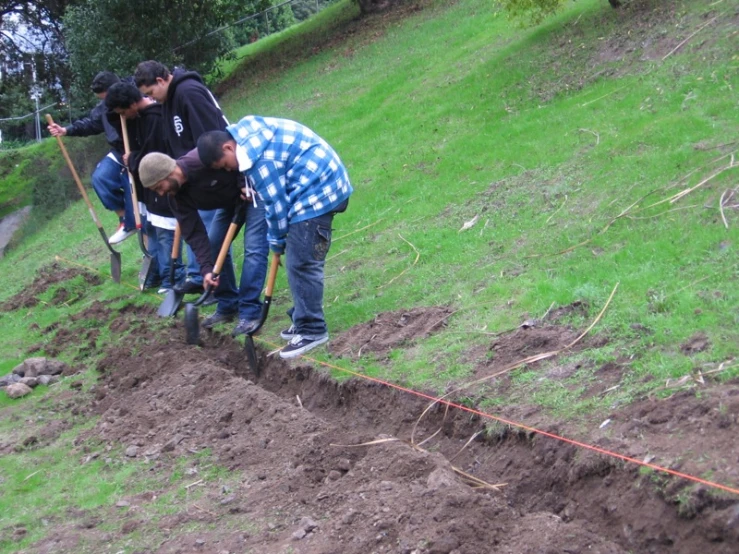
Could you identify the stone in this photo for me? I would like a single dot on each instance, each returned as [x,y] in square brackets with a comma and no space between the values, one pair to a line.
[29,381]
[132,451]
[307,524]
[17,390]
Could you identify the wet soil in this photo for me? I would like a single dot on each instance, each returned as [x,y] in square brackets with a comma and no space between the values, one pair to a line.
[357,467]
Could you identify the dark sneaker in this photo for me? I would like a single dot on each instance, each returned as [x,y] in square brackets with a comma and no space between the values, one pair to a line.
[299,346]
[188,287]
[289,333]
[245,327]
[210,300]
[217,318]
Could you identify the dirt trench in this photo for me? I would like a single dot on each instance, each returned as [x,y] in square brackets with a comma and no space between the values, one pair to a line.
[299,438]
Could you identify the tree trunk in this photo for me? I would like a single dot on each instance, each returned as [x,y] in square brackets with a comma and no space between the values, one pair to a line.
[615,3]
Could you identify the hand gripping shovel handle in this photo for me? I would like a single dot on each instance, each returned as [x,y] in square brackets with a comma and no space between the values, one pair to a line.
[173,299]
[115,257]
[192,325]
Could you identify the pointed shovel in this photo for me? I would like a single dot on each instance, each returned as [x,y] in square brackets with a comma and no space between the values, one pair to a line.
[173,300]
[115,257]
[145,273]
[192,324]
[251,351]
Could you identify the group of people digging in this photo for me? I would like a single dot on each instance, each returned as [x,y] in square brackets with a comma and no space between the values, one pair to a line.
[192,169]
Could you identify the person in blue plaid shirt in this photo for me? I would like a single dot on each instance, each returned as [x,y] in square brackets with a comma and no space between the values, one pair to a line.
[303,184]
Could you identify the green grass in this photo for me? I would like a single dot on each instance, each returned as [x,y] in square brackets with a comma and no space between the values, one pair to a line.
[543,134]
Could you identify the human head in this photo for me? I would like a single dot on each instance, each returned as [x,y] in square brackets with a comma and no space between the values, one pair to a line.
[217,150]
[122,99]
[158,172]
[152,79]
[102,82]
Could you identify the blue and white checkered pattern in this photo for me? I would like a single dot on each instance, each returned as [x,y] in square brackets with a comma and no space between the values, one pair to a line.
[296,173]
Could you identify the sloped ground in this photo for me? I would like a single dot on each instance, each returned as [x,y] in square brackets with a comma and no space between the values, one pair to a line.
[308,481]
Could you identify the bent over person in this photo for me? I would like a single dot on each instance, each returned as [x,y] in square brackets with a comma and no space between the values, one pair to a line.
[303,184]
[109,179]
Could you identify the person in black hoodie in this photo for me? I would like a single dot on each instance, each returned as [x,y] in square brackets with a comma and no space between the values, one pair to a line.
[189,110]
[144,124]
[109,178]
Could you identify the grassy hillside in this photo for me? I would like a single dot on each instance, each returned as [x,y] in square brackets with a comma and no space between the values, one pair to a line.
[506,173]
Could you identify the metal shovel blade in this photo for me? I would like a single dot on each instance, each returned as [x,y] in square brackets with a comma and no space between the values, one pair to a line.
[251,355]
[146,272]
[192,325]
[115,266]
[171,304]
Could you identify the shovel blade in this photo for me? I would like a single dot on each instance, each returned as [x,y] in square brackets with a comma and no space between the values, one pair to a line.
[170,305]
[146,272]
[115,266]
[192,325]
[251,355]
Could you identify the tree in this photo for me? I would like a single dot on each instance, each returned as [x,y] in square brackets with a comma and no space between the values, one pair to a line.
[117,34]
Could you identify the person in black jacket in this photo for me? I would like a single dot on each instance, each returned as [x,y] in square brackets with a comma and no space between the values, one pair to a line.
[109,178]
[189,110]
[191,186]
[144,125]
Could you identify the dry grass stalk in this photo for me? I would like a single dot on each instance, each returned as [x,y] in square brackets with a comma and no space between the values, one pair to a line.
[472,438]
[477,481]
[418,256]
[369,443]
[721,208]
[698,30]
[557,210]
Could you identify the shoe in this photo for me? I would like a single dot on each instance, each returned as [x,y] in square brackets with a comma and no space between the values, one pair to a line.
[217,318]
[121,234]
[245,327]
[163,290]
[189,287]
[289,333]
[210,300]
[298,346]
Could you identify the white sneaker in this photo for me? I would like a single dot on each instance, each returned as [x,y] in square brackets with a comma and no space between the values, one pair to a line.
[299,345]
[121,234]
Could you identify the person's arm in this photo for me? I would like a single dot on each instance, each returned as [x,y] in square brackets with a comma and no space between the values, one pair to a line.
[194,232]
[90,125]
[277,209]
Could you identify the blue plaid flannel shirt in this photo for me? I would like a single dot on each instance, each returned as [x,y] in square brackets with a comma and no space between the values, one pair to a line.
[296,173]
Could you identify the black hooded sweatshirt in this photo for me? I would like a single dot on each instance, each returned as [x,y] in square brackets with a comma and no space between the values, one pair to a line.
[190,111]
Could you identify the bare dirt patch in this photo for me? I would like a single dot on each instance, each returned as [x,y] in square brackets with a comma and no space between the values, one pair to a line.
[47,277]
[305,485]
[390,330]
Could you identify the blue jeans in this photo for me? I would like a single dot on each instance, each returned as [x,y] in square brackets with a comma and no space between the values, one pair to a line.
[193,268]
[246,300]
[308,243]
[160,247]
[110,181]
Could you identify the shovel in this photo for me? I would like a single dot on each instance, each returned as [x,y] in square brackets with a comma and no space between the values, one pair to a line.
[192,324]
[251,351]
[173,300]
[146,265]
[115,257]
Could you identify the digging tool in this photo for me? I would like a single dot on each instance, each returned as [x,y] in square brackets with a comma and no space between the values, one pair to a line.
[192,324]
[173,300]
[115,256]
[145,273]
[251,351]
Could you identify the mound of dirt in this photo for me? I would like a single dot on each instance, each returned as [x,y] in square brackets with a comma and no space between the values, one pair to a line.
[354,467]
[47,277]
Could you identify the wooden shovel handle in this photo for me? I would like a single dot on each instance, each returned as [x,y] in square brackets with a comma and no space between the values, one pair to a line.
[127,150]
[77,180]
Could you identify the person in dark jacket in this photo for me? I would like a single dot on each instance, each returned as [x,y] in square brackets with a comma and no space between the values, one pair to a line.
[109,178]
[144,125]
[190,109]
[190,187]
